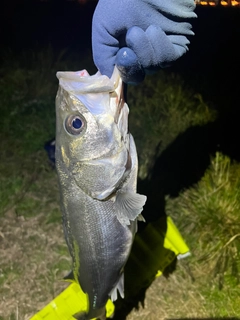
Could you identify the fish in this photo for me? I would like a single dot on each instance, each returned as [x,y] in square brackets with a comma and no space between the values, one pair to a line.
[97,166]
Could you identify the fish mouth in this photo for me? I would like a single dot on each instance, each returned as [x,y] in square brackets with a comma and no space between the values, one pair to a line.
[120,104]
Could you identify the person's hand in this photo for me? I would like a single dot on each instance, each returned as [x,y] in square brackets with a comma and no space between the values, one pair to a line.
[140,36]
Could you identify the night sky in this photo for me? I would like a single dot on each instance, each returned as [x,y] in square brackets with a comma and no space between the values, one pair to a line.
[60,23]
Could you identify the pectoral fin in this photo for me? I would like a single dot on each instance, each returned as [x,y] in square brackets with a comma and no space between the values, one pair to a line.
[129,206]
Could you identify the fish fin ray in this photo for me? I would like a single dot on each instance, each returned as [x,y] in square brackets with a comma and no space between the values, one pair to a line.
[141,218]
[129,206]
[119,287]
[70,277]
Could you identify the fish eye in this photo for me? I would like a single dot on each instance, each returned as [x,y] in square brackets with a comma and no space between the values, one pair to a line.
[75,124]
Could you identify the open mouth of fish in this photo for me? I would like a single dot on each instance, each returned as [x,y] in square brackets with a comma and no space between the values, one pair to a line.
[115,158]
[121,102]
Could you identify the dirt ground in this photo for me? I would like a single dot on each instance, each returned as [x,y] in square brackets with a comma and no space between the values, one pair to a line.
[29,274]
[32,266]
[34,259]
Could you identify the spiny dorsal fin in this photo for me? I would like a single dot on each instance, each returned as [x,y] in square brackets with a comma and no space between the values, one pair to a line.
[129,205]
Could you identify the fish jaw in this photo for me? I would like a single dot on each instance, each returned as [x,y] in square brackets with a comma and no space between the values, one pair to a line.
[102,148]
[92,90]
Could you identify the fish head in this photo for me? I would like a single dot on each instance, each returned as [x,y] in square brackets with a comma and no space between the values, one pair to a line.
[92,131]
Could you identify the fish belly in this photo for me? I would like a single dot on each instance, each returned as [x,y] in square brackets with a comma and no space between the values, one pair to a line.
[98,243]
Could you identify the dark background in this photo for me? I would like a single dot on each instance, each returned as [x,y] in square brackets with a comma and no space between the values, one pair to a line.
[214,50]
[211,67]
[61,23]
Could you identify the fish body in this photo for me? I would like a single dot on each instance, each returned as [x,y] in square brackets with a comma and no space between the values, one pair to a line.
[96,161]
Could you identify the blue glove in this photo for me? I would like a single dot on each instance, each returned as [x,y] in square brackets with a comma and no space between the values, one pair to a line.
[140,36]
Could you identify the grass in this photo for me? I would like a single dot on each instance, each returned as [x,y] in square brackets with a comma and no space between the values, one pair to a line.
[208,214]
[161,108]
[28,87]
[34,255]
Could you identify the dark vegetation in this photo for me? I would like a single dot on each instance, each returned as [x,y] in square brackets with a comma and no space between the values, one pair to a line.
[185,122]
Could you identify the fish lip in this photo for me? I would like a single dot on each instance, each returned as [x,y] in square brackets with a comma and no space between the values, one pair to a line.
[119,91]
[121,102]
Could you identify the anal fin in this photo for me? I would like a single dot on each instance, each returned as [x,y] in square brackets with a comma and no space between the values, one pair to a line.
[119,287]
[70,277]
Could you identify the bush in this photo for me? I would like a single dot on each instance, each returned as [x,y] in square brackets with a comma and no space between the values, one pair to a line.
[208,216]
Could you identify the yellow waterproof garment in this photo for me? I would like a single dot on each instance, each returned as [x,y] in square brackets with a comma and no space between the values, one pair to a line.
[163,246]
[67,303]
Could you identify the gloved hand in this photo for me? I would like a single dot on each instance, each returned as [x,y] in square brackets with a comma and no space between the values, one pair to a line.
[140,36]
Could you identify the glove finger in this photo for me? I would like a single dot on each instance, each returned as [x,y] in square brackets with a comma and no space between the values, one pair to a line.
[104,45]
[179,40]
[129,67]
[163,50]
[104,56]
[154,48]
[138,42]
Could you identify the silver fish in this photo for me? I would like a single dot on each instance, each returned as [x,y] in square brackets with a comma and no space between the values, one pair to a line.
[96,161]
